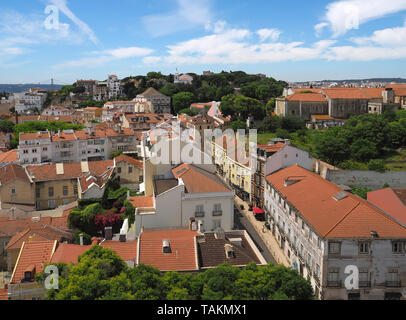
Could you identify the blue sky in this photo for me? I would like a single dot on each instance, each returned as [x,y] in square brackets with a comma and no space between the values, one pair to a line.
[289,40]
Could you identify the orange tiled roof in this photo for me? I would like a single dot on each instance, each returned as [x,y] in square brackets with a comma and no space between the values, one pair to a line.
[9,228]
[68,253]
[12,172]
[183,250]
[47,172]
[396,86]
[36,254]
[35,136]
[271,147]
[197,180]
[351,217]
[346,93]
[135,162]
[300,90]
[142,202]
[38,232]
[126,250]
[306,97]
[374,93]
[390,201]
[401,92]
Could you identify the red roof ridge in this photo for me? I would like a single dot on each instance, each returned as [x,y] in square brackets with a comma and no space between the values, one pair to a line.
[342,219]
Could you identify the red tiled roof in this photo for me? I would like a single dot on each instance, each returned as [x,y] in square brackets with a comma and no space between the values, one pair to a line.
[38,232]
[346,93]
[68,253]
[400,92]
[183,250]
[142,202]
[9,228]
[389,201]
[12,172]
[3,294]
[36,254]
[47,172]
[126,250]
[134,162]
[396,86]
[351,217]
[307,97]
[374,93]
[34,136]
[197,180]
[271,147]
[301,90]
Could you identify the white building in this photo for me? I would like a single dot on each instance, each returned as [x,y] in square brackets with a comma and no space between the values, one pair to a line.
[114,87]
[56,111]
[184,196]
[24,101]
[71,146]
[35,147]
[325,232]
[182,79]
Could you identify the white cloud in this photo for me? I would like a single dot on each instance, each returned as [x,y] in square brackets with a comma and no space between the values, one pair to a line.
[344,15]
[189,14]
[268,34]
[98,58]
[390,37]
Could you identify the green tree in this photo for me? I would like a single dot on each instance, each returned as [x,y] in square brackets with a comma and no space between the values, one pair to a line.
[360,191]
[270,124]
[377,165]
[6,126]
[237,124]
[182,100]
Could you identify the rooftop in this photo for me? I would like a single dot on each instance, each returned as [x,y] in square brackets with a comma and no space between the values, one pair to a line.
[392,201]
[346,216]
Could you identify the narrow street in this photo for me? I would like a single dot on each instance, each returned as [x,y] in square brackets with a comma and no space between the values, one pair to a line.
[243,223]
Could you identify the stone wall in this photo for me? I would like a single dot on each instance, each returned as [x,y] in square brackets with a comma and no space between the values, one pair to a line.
[368,179]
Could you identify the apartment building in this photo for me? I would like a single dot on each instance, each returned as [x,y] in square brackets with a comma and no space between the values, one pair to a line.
[35,147]
[122,106]
[71,146]
[325,232]
[129,171]
[56,111]
[24,101]
[236,174]
[183,195]
[89,85]
[142,121]
[60,184]
[92,114]
[114,87]
[161,103]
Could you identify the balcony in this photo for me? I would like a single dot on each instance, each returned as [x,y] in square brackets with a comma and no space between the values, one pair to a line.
[334,284]
[364,284]
[393,284]
[199,214]
[217,213]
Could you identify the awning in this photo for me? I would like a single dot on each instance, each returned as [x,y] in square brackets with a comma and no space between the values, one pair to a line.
[257,210]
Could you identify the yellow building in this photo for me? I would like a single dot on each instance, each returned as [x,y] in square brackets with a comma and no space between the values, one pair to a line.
[92,113]
[236,174]
[130,172]
[16,188]
[57,184]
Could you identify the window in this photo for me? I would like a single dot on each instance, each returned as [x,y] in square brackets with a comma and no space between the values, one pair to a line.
[217,210]
[317,271]
[397,247]
[364,278]
[51,204]
[119,170]
[296,218]
[13,191]
[303,225]
[75,189]
[130,169]
[199,212]
[140,179]
[319,243]
[334,248]
[333,278]
[364,247]
[51,191]
[65,190]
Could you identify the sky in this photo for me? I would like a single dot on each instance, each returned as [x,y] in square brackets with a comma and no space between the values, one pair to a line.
[291,40]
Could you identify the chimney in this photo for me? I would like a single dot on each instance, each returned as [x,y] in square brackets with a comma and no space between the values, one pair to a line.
[108,233]
[81,239]
[123,238]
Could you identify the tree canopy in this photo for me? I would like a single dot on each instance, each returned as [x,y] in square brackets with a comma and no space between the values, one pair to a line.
[102,275]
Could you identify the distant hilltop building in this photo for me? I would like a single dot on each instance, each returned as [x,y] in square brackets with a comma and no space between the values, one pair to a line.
[184,78]
[102,90]
[160,102]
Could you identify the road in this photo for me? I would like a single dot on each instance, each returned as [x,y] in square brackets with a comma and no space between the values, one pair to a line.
[242,223]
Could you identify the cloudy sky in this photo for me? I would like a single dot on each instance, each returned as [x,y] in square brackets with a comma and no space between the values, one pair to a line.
[289,40]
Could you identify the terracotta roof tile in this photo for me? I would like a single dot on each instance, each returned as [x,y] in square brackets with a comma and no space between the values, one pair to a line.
[68,253]
[183,251]
[346,93]
[36,254]
[392,201]
[307,97]
[351,217]
[11,172]
[197,180]
[374,93]
[126,250]
[142,202]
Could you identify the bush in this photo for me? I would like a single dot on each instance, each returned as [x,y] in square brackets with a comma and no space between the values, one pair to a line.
[83,203]
[283,134]
[377,165]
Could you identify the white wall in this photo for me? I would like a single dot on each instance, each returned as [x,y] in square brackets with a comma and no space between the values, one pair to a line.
[287,157]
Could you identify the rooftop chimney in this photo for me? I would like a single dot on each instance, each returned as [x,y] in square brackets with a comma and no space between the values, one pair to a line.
[81,239]
[123,238]
[166,246]
[108,233]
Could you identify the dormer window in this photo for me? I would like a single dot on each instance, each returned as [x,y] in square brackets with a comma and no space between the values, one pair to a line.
[166,247]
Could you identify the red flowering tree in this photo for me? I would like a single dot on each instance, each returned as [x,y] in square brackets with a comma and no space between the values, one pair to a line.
[109,219]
